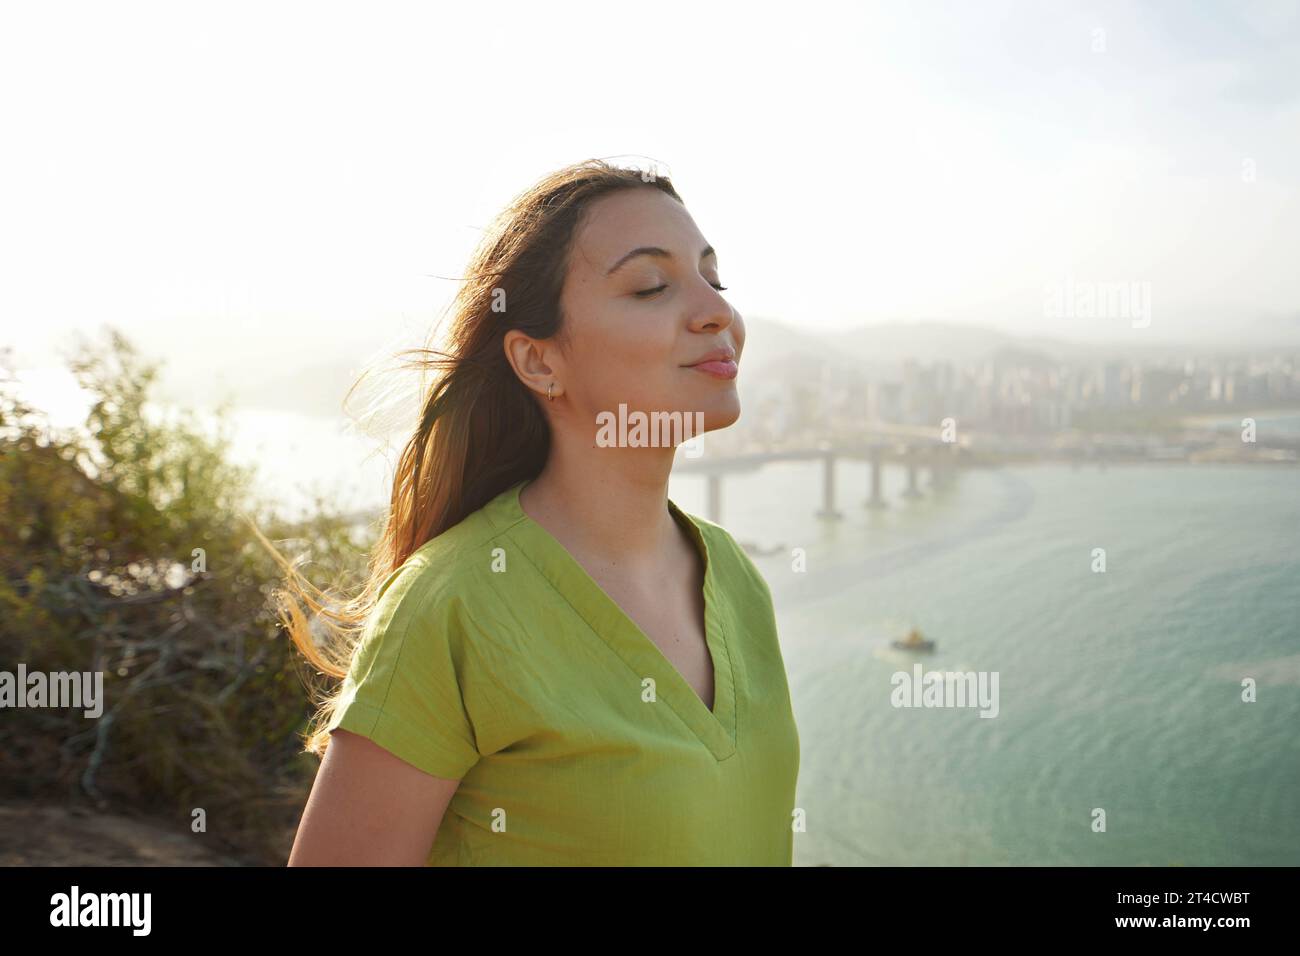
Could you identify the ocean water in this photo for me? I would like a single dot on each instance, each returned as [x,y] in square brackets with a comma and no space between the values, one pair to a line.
[1119,690]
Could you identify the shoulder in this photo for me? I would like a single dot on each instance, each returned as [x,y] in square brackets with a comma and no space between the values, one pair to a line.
[443,578]
[733,564]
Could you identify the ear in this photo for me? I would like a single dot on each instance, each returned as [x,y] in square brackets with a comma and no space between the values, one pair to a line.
[529,359]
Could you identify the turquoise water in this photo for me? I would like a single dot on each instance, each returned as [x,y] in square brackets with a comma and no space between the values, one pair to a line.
[1118,690]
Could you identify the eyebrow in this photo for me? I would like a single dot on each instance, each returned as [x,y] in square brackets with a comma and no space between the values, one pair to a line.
[654,251]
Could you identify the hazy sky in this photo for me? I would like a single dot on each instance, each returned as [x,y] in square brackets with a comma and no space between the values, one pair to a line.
[239,182]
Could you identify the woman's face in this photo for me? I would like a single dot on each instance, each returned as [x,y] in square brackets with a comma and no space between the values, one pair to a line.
[638,320]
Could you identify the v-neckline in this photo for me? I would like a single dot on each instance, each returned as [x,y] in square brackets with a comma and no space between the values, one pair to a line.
[715,728]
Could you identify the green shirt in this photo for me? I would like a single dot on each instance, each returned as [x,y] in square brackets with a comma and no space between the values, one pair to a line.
[492,657]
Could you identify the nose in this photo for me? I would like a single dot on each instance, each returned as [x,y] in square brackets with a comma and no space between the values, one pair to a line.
[715,313]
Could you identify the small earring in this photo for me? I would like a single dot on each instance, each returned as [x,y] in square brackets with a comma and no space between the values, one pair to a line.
[549,396]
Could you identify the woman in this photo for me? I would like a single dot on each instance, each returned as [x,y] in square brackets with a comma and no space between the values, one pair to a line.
[555,664]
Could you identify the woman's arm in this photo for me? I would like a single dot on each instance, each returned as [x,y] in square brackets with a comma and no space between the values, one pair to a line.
[369,808]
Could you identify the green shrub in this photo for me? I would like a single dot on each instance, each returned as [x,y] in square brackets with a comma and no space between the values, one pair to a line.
[127,549]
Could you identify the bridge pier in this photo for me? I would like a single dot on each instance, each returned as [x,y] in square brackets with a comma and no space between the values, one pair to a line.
[828,489]
[714,504]
[874,498]
[912,490]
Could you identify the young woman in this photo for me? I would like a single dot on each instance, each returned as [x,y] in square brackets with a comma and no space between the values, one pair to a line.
[553,664]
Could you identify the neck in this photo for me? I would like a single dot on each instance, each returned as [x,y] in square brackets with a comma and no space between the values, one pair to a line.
[609,504]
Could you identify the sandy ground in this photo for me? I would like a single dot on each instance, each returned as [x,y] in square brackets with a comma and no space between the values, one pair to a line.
[38,834]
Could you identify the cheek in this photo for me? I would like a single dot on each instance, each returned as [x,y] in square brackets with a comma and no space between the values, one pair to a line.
[641,335]
[634,360]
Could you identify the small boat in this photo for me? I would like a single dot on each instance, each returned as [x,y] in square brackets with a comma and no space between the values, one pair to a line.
[914,642]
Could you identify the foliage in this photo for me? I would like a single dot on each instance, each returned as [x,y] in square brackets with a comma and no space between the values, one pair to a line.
[126,550]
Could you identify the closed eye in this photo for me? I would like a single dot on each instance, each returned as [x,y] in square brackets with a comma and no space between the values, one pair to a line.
[647,293]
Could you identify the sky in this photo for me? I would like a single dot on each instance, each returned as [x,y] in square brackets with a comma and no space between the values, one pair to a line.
[271,185]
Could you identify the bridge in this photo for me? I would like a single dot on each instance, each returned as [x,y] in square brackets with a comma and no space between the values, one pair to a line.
[915,449]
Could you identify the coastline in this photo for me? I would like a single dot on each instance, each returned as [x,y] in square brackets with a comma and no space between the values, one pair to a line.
[1207,419]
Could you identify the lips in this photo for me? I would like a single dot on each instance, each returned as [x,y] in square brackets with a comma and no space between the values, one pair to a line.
[717,355]
[721,368]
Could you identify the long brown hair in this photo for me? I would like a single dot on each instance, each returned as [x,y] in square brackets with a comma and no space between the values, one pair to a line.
[481,429]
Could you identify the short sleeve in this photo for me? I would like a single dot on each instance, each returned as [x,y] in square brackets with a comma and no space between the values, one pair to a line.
[403,688]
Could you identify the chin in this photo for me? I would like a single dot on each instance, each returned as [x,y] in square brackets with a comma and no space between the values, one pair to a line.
[722,412]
